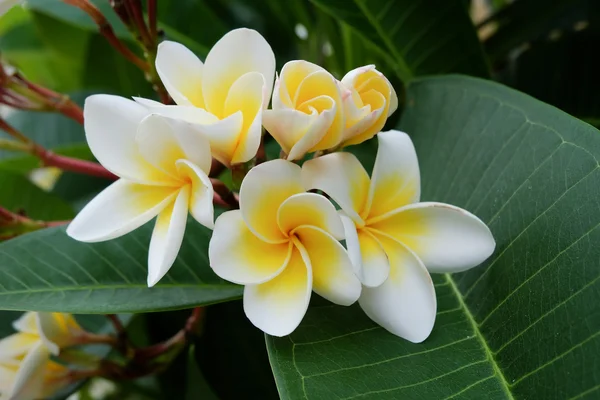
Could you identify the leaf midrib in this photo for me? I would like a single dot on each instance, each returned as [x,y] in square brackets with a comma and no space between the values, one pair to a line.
[490,356]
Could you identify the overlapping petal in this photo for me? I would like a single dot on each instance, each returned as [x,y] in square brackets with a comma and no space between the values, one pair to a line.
[238,255]
[238,52]
[263,191]
[201,192]
[167,236]
[405,304]
[29,380]
[278,306]
[111,124]
[119,209]
[333,275]
[181,73]
[309,209]
[446,238]
[343,178]
[395,181]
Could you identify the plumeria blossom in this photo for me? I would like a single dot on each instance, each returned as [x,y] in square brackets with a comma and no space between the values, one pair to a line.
[282,244]
[225,96]
[26,370]
[392,238]
[163,165]
[369,99]
[307,112]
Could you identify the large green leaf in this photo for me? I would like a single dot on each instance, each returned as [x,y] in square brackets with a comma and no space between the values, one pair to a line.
[48,271]
[525,325]
[417,37]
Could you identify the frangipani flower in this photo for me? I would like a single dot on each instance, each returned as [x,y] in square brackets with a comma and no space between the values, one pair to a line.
[393,239]
[163,165]
[369,99]
[282,244]
[225,96]
[307,112]
[26,370]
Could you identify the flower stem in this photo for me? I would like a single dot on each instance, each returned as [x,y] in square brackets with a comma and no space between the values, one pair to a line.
[107,31]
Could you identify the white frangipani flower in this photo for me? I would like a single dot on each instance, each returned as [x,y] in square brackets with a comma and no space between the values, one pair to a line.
[393,239]
[26,370]
[163,165]
[225,96]
[282,243]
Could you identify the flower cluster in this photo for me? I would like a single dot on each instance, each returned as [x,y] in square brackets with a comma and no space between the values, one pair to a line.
[285,240]
[26,368]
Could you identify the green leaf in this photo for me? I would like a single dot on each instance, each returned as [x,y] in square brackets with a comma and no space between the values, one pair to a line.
[416,37]
[525,324]
[48,271]
[18,194]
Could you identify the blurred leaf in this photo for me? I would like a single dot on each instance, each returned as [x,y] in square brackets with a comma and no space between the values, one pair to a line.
[232,350]
[77,189]
[526,324]
[197,387]
[18,194]
[525,20]
[53,131]
[48,271]
[415,37]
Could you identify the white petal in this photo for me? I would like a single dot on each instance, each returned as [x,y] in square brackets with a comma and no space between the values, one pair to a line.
[395,181]
[119,209]
[333,275]
[405,304]
[201,193]
[263,191]
[375,263]
[189,114]
[309,209]
[238,52]
[352,244]
[163,141]
[17,345]
[181,73]
[238,256]
[446,238]
[110,127]
[342,177]
[278,306]
[167,237]
[27,323]
[246,96]
[29,380]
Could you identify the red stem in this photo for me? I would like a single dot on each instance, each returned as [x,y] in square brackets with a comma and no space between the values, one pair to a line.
[134,7]
[73,164]
[152,19]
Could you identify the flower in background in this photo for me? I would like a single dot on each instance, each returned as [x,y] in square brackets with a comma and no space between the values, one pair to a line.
[225,96]
[282,244]
[394,240]
[163,165]
[307,112]
[369,99]
[26,369]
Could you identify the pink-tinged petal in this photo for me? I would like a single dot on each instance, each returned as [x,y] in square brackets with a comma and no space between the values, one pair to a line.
[119,209]
[263,191]
[111,124]
[278,306]
[309,209]
[446,238]
[395,181]
[238,52]
[201,193]
[342,177]
[405,304]
[181,73]
[333,275]
[238,256]
[167,236]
